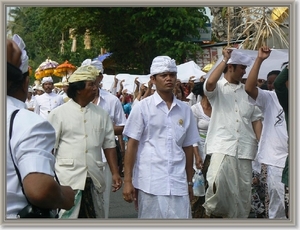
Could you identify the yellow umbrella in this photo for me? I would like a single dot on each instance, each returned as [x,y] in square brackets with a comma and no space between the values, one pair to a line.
[45,69]
[279,14]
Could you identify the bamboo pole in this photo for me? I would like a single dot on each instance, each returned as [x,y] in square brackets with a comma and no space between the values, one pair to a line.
[228,26]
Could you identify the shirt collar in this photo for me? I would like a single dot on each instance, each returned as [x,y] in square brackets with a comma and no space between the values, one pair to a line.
[225,82]
[16,102]
[158,100]
[79,106]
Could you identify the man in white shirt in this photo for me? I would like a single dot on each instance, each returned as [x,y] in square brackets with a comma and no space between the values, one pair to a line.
[30,146]
[30,100]
[48,100]
[65,86]
[82,130]
[231,140]
[273,144]
[158,165]
[111,104]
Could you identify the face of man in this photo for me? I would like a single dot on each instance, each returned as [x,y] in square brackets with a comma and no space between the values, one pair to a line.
[89,92]
[99,79]
[65,88]
[39,92]
[48,86]
[237,73]
[165,82]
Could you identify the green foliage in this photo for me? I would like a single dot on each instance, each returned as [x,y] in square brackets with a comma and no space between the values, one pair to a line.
[135,35]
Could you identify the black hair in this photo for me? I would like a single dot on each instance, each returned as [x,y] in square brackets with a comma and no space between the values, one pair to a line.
[284,63]
[226,68]
[13,73]
[198,89]
[273,72]
[15,77]
[73,87]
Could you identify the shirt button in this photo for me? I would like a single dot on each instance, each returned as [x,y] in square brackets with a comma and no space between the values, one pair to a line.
[86,135]
[237,120]
[86,151]
[84,121]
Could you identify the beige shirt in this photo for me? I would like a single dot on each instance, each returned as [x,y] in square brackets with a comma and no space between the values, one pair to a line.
[81,132]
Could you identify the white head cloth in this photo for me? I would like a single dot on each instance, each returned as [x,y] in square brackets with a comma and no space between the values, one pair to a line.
[98,64]
[65,81]
[39,87]
[47,79]
[240,58]
[24,58]
[30,90]
[162,64]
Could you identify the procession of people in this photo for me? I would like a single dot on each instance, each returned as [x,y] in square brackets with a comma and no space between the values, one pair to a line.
[75,144]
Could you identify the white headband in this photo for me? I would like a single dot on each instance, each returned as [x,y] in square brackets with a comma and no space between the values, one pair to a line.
[163,64]
[24,58]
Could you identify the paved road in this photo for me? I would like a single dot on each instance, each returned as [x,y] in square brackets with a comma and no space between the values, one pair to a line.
[119,208]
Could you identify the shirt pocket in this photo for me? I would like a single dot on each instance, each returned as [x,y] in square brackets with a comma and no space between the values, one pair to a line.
[65,162]
[101,164]
[180,134]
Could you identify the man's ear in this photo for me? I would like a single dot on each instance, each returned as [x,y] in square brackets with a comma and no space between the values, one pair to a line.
[152,78]
[101,77]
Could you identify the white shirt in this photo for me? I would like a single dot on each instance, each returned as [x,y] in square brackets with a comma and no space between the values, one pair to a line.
[64,96]
[30,103]
[192,98]
[160,164]
[32,141]
[81,132]
[230,131]
[46,103]
[273,145]
[111,104]
[202,123]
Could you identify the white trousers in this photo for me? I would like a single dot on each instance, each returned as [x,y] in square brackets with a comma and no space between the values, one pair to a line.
[229,187]
[276,193]
[163,207]
[106,193]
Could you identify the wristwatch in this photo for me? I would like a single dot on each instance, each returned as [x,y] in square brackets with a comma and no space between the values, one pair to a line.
[190,183]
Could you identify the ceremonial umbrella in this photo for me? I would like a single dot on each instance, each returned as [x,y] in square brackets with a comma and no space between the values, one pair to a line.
[64,69]
[45,69]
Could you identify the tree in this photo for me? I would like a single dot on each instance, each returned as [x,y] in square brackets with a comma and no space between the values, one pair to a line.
[135,35]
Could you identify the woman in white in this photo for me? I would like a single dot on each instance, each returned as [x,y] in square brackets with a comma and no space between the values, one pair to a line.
[202,111]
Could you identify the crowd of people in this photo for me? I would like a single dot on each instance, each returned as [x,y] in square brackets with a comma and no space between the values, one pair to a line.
[150,141]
